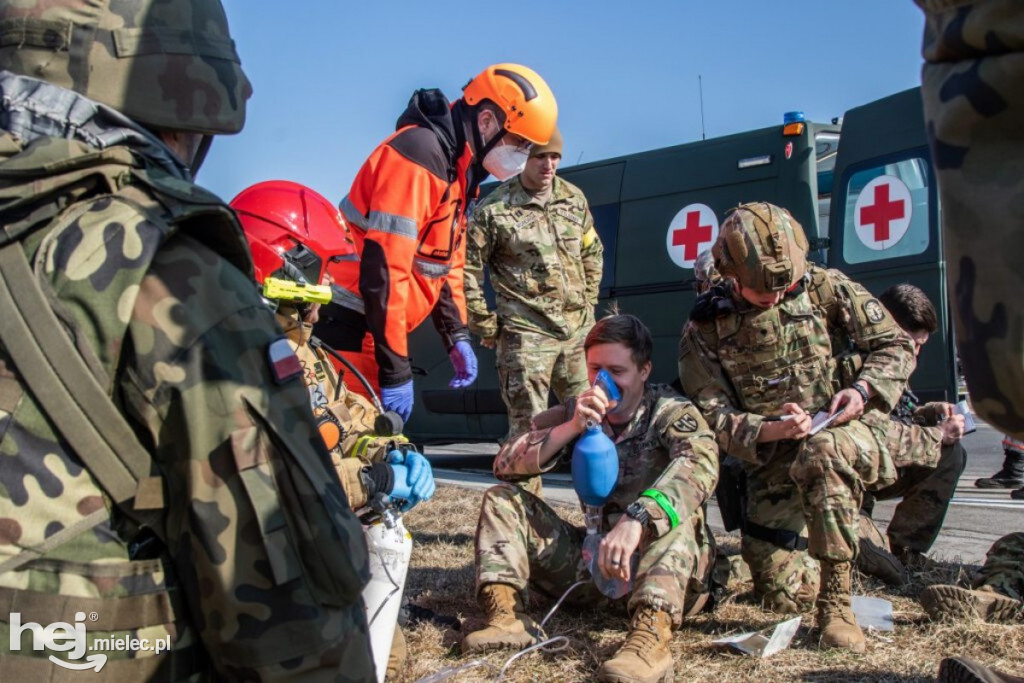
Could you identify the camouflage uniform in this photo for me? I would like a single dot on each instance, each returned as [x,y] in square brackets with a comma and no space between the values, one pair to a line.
[522,542]
[545,262]
[1003,570]
[927,486]
[263,565]
[973,98]
[355,444]
[740,364]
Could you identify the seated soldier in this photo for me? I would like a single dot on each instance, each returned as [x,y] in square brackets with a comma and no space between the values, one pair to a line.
[667,471]
[934,431]
[293,232]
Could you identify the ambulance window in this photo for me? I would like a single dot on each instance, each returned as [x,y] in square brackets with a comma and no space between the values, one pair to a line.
[886,212]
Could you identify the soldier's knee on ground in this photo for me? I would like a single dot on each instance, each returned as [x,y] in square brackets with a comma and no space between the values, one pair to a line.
[785,581]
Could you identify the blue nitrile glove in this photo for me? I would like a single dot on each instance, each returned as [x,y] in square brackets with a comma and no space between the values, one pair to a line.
[398,399]
[419,483]
[400,487]
[464,361]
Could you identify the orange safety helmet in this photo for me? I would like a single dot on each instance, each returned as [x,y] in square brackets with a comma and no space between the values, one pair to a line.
[529,105]
[293,231]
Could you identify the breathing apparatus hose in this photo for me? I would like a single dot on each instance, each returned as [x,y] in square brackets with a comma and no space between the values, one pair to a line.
[316,343]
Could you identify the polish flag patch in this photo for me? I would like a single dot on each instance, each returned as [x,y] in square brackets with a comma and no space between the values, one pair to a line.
[284,364]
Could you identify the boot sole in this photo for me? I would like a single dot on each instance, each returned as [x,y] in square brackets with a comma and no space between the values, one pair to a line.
[493,646]
[953,602]
[963,670]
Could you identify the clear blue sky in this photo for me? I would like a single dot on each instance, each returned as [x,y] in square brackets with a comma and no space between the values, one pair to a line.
[331,76]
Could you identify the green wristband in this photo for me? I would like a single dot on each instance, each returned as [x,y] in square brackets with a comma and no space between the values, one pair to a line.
[663,502]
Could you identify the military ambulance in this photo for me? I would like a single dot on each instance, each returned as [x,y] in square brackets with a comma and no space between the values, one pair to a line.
[862,187]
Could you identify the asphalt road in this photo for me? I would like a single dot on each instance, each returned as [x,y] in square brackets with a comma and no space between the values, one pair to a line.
[976,518]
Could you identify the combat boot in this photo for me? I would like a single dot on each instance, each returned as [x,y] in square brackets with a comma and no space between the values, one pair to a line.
[835,618]
[508,625]
[1011,476]
[874,558]
[953,602]
[1018,494]
[964,670]
[645,656]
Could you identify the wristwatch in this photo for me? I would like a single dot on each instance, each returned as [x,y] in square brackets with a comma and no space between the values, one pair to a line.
[638,511]
[860,390]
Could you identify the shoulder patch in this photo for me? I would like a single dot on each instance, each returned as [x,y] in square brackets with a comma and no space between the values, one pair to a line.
[686,423]
[873,311]
[284,364]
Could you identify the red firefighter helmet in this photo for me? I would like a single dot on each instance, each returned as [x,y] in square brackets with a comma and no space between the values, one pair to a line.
[293,231]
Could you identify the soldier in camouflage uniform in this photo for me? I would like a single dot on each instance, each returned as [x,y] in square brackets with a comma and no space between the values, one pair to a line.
[160,466]
[998,588]
[536,236]
[934,431]
[973,91]
[667,471]
[758,358]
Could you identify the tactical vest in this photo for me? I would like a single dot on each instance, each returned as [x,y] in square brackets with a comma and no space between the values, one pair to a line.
[776,356]
[344,418]
[46,189]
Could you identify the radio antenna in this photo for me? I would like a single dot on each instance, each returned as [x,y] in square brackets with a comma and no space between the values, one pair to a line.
[700,89]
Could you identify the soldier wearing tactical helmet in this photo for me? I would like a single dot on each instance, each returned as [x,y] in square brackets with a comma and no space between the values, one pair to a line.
[160,469]
[407,208]
[760,359]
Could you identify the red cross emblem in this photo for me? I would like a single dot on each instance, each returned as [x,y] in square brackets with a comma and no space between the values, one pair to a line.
[691,236]
[691,231]
[883,212]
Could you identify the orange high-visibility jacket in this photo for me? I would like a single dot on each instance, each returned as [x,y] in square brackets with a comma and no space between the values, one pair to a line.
[407,209]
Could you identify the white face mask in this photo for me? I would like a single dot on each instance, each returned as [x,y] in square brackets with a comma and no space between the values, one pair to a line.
[505,161]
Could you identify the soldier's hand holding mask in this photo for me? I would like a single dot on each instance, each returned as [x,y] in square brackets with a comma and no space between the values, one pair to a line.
[591,406]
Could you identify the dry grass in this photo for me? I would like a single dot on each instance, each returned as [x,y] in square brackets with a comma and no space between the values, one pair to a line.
[441,578]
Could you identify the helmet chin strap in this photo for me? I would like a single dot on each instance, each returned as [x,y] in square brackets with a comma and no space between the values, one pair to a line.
[478,143]
[201,152]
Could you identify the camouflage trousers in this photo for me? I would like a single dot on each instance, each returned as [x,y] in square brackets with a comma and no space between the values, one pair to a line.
[522,542]
[1004,567]
[926,492]
[803,503]
[973,92]
[531,365]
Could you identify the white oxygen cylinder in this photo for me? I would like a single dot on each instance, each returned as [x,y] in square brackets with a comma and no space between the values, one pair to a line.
[390,547]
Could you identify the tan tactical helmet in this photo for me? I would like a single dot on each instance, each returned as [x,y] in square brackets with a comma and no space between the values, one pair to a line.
[762,246]
[163,63]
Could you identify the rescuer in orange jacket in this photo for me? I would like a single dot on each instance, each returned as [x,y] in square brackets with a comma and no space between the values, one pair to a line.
[407,210]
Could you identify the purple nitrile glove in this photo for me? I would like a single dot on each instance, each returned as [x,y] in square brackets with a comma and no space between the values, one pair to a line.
[464,361]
